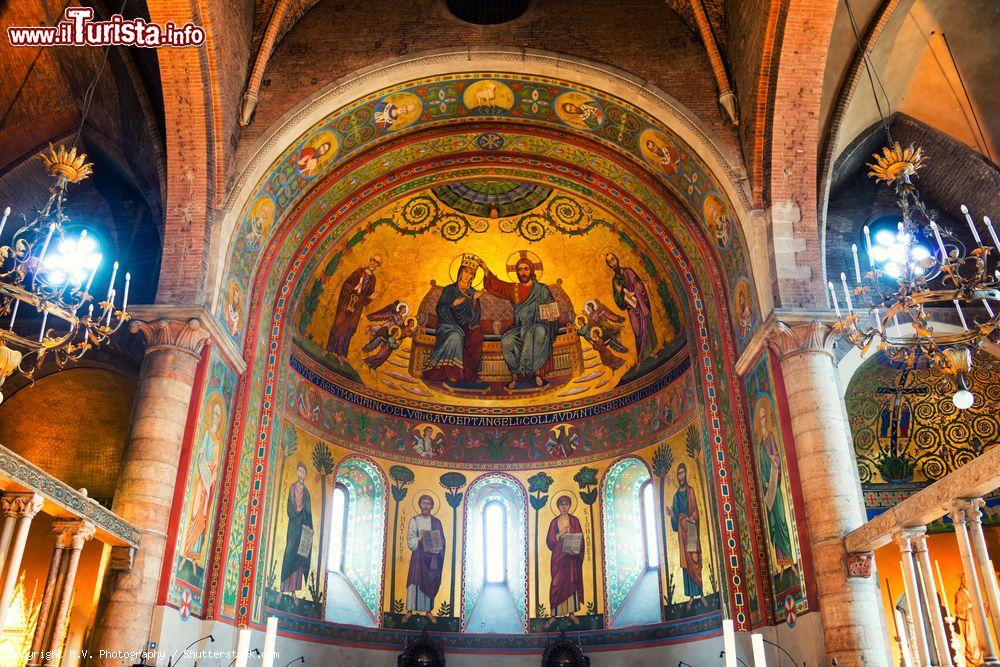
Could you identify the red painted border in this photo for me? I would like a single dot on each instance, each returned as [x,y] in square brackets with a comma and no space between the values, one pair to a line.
[180,485]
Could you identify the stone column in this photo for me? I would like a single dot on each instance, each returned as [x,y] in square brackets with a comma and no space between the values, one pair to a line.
[6,533]
[146,483]
[70,534]
[23,507]
[974,521]
[914,602]
[923,560]
[851,607]
[979,618]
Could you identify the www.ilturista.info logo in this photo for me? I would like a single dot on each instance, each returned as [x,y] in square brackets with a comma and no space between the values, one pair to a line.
[79,28]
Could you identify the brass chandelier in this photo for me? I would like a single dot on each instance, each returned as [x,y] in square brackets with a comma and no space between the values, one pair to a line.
[38,273]
[942,273]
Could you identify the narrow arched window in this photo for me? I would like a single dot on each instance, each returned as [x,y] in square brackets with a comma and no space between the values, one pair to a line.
[338,528]
[495,547]
[649,526]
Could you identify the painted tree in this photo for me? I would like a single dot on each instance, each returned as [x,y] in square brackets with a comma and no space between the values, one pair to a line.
[586,479]
[453,482]
[401,478]
[663,461]
[538,496]
[287,446]
[322,460]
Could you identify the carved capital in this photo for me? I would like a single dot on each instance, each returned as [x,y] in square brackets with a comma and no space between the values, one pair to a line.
[972,508]
[21,505]
[787,340]
[860,564]
[957,512]
[72,533]
[911,539]
[187,336]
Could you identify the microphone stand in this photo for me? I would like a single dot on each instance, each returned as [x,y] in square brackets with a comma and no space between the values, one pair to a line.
[253,650]
[722,653]
[782,649]
[301,659]
[170,660]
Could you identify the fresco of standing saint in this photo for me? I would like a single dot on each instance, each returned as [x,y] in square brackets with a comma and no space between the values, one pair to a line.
[630,296]
[425,539]
[685,519]
[298,534]
[565,540]
[357,292]
[206,468]
[458,340]
[527,344]
[769,459]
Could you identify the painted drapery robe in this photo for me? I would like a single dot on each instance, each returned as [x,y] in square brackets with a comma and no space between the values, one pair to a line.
[685,520]
[630,295]
[458,346]
[527,344]
[423,580]
[356,293]
[566,590]
[774,501]
[294,566]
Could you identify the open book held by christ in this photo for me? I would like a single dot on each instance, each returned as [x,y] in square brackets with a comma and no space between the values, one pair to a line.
[433,542]
[572,543]
[549,311]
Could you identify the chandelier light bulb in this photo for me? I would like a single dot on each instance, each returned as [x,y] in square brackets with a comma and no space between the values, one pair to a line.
[963,399]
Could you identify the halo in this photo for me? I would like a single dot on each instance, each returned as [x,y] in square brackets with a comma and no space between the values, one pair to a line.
[394,331]
[524,254]
[596,332]
[403,309]
[591,304]
[477,280]
[574,500]
[425,492]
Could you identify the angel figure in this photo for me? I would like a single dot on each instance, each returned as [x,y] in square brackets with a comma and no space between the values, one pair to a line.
[383,344]
[602,345]
[610,323]
[380,321]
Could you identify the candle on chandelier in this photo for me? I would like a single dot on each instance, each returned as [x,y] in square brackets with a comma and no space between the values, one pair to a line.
[128,279]
[833,293]
[986,220]
[45,246]
[13,315]
[868,247]
[937,236]
[857,267]
[90,313]
[847,293]
[972,225]
[111,308]
[111,285]
[45,319]
[3,221]
[961,315]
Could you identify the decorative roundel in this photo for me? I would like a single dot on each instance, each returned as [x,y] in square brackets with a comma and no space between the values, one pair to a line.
[790,611]
[184,610]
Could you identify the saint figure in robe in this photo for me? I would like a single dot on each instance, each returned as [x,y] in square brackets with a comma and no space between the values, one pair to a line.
[298,534]
[527,343]
[357,292]
[774,496]
[686,521]
[205,470]
[458,339]
[425,539]
[565,540]
[630,295]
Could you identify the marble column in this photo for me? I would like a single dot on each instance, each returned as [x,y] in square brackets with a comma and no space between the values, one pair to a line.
[914,602]
[22,507]
[146,483]
[851,607]
[923,560]
[974,521]
[71,535]
[979,619]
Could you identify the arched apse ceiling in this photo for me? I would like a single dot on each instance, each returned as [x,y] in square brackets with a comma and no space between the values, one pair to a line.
[344,176]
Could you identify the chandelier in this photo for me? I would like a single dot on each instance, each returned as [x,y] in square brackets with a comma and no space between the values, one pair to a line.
[44,270]
[926,266]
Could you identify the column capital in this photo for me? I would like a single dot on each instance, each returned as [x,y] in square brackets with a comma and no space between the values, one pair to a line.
[72,533]
[787,340]
[911,538]
[21,505]
[957,511]
[972,509]
[183,335]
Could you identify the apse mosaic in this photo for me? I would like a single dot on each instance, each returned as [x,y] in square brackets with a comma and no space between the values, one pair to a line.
[477,555]
[775,488]
[551,301]
[545,102]
[905,426]
[195,527]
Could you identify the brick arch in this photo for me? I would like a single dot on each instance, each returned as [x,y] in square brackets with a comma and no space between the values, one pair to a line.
[795,241]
